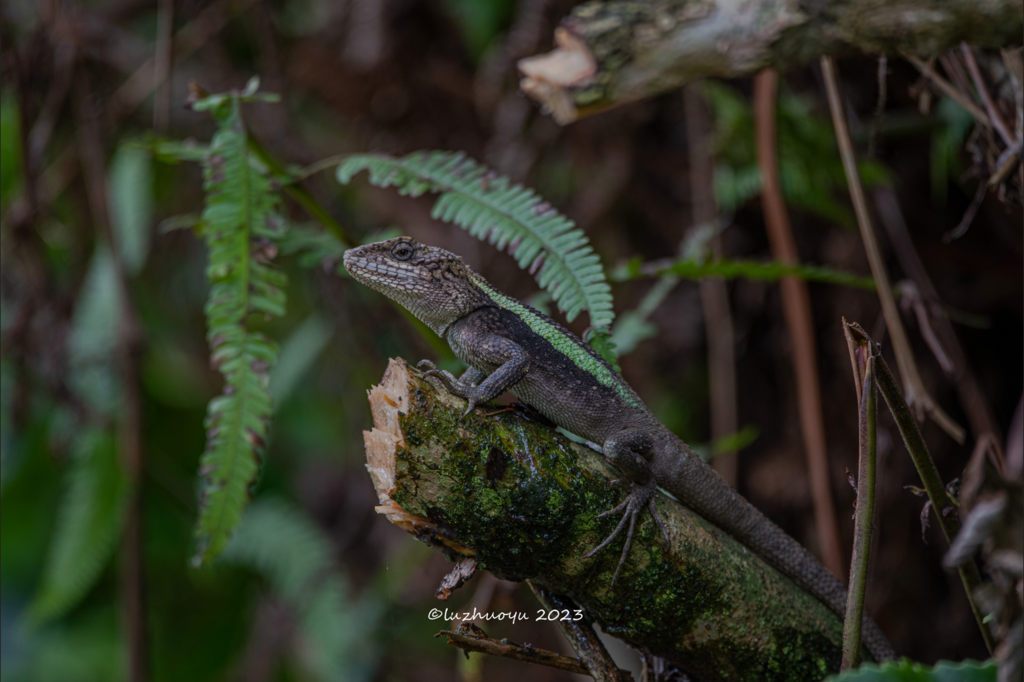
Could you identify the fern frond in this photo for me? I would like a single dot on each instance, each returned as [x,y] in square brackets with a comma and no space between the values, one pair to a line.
[239,220]
[90,519]
[509,216]
[296,558]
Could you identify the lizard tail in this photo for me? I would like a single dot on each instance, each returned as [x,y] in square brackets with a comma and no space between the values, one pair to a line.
[699,487]
[805,569]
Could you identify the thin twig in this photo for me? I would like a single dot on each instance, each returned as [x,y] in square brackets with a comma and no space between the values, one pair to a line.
[1007,162]
[796,307]
[883,69]
[322,164]
[139,85]
[951,92]
[584,641]
[468,637]
[911,300]
[917,394]
[1015,67]
[718,327]
[937,495]
[968,217]
[986,98]
[972,399]
[864,373]
[162,64]
[955,70]
[90,143]
[297,192]
[136,88]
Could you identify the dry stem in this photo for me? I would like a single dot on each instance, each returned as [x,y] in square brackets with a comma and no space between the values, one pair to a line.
[796,307]
[916,393]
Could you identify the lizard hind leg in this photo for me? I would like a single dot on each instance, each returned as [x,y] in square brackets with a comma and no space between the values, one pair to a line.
[628,452]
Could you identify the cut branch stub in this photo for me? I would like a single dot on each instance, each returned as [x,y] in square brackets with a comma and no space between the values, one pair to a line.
[522,499]
[616,51]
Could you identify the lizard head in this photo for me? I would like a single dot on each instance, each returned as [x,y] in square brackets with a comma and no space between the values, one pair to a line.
[433,284]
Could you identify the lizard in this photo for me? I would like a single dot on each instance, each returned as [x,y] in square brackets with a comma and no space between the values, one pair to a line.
[510,346]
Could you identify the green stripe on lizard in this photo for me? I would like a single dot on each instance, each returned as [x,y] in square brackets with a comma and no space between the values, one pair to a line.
[563,344]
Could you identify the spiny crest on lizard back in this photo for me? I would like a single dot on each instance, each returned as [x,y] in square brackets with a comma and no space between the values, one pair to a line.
[431,283]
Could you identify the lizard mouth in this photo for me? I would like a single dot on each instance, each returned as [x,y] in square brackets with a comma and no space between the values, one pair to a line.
[377,270]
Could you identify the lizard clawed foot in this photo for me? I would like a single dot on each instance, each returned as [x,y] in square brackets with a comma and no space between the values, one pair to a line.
[641,495]
[451,384]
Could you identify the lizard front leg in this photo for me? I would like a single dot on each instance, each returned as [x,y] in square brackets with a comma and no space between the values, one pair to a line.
[472,376]
[628,451]
[513,363]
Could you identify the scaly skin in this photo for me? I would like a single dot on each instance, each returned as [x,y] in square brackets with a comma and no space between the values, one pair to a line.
[510,346]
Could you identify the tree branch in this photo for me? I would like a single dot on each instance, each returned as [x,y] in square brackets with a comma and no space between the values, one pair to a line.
[468,637]
[523,500]
[617,51]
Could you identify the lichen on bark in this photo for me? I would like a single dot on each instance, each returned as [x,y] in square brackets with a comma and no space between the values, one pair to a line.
[505,487]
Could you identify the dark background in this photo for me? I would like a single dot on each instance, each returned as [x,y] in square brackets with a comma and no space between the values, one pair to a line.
[399,76]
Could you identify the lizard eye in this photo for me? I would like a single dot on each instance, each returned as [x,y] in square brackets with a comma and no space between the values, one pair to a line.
[402,250]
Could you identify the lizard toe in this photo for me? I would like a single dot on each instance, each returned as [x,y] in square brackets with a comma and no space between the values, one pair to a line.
[640,496]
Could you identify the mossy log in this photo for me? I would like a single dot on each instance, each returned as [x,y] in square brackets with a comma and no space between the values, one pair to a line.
[503,486]
[615,51]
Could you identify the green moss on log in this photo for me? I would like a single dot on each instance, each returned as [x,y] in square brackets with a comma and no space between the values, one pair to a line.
[525,499]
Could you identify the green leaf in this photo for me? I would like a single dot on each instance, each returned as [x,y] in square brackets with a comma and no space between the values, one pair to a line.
[298,355]
[947,145]
[93,342]
[509,216]
[88,648]
[10,146]
[176,151]
[733,269]
[240,219]
[906,670]
[633,327]
[89,523]
[734,442]
[296,558]
[480,22]
[130,187]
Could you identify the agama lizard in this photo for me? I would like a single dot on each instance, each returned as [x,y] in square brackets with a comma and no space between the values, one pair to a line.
[510,346]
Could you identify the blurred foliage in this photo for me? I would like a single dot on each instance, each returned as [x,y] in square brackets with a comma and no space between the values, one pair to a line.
[10,146]
[810,170]
[906,670]
[297,559]
[480,22]
[731,269]
[88,525]
[947,146]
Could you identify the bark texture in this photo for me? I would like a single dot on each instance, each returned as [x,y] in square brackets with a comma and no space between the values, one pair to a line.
[522,499]
[616,51]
